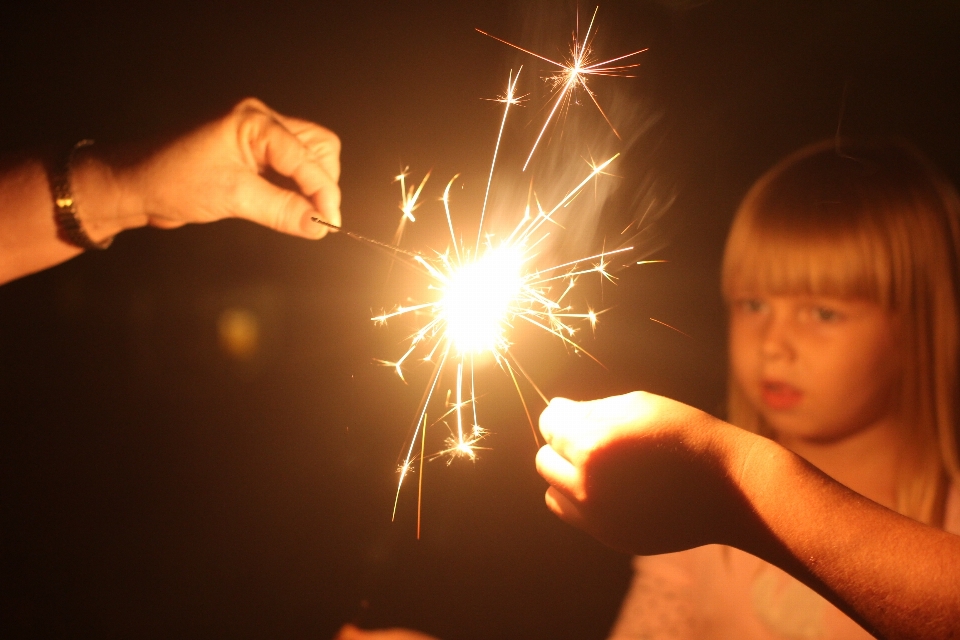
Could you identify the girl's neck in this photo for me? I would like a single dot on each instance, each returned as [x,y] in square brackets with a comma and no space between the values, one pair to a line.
[866,461]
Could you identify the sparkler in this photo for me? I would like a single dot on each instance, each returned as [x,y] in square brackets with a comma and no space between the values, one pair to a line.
[479,292]
[573,73]
[479,295]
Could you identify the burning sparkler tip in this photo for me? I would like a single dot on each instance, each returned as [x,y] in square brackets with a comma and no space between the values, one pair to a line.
[325,223]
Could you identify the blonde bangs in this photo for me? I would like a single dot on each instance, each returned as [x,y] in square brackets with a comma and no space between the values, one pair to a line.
[784,254]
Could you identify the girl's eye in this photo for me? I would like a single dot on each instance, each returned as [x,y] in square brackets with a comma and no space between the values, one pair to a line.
[751,305]
[826,314]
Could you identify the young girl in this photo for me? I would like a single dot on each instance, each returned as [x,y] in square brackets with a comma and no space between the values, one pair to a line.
[840,275]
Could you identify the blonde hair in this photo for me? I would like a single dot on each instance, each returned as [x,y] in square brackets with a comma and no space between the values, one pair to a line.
[875,221]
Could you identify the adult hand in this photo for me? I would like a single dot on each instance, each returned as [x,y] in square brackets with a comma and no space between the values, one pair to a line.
[642,473]
[217,171]
[350,632]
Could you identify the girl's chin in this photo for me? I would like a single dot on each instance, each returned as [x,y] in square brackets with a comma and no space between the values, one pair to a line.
[790,426]
[799,431]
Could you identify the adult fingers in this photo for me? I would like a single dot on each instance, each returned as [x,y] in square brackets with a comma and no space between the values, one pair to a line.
[323,144]
[558,471]
[274,146]
[279,209]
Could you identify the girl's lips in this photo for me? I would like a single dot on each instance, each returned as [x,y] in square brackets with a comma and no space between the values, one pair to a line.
[780,395]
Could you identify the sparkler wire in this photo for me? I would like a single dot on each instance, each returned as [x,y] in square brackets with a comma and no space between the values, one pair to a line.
[357,236]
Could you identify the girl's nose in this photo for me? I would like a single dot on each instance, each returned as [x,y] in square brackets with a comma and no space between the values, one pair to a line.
[776,341]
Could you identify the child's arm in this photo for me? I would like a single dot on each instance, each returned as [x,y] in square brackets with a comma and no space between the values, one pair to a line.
[649,475]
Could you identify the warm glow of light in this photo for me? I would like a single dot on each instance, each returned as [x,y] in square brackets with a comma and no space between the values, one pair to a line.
[478,296]
[478,291]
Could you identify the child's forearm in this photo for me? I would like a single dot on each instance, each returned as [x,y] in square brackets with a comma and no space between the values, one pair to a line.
[898,578]
[649,475]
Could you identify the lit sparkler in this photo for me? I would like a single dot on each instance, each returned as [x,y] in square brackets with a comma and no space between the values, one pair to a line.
[479,292]
[573,74]
[478,297]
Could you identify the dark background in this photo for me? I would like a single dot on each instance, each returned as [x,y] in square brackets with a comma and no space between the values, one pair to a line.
[154,485]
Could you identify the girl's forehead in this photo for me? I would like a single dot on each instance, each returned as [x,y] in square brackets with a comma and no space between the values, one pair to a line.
[800,297]
[847,299]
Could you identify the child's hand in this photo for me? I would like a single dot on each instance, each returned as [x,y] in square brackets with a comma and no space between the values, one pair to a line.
[350,632]
[640,472]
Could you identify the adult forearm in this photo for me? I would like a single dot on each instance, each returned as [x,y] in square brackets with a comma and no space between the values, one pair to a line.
[896,577]
[29,238]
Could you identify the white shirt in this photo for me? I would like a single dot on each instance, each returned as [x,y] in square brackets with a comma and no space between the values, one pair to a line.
[715,592]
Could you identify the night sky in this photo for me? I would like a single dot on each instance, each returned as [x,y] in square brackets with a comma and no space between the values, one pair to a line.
[158,480]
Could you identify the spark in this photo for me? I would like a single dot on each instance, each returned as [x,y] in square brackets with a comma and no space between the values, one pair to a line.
[573,73]
[477,296]
[670,326]
[409,201]
[509,98]
[477,293]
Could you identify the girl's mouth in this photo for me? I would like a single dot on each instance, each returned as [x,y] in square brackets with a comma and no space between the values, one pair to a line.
[779,395]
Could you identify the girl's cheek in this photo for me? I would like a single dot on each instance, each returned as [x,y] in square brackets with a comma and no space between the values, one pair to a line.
[744,356]
[744,341]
